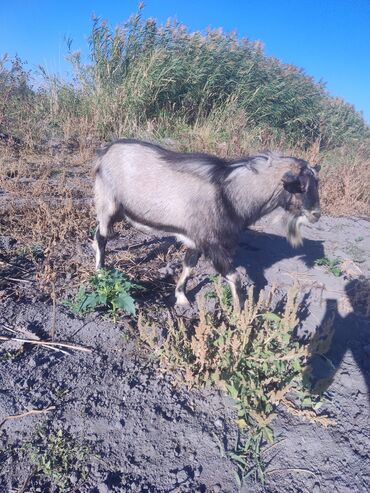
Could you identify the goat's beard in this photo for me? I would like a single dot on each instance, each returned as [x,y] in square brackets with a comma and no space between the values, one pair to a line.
[294,230]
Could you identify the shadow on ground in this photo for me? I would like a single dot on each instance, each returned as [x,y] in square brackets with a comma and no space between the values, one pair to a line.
[337,335]
[259,251]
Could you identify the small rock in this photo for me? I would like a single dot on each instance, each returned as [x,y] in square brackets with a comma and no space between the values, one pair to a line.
[102,488]
[216,488]
[181,476]
[6,242]
[167,271]
[73,478]
[219,423]
[192,456]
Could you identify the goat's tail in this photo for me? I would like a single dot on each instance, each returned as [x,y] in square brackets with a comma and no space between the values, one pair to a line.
[98,159]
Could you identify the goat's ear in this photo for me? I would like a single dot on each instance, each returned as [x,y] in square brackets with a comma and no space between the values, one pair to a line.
[316,168]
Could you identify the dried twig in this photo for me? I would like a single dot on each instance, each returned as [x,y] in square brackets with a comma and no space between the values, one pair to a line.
[28,413]
[307,414]
[47,343]
[293,469]
[57,349]
[3,262]
[296,274]
[18,280]
[9,329]
[54,313]
[23,488]
[267,449]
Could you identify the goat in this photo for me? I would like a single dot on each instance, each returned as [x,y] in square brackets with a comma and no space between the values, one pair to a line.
[204,201]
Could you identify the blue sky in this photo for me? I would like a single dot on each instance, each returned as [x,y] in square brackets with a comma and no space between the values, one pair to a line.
[330,39]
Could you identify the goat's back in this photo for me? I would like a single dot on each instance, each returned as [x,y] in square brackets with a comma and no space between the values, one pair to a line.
[158,186]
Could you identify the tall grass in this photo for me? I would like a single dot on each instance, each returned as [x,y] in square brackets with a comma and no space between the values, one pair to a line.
[141,72]
[164,78]
[209,91]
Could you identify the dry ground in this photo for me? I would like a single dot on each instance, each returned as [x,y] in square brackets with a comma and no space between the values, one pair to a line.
[119,423]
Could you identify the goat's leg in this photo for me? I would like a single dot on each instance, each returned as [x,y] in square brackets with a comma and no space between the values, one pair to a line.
[100,242]
[190,261]
[223,263]
[107,212]
[103,230]
[233,280]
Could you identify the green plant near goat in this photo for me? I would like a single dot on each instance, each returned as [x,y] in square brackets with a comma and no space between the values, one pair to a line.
[106,289]
[255,356]
[222,292]
[332,265]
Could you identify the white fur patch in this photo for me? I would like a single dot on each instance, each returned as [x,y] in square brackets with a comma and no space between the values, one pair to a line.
[279,217]
[186,241]
[147,229]
[294,230]
[181,299]
[97,253]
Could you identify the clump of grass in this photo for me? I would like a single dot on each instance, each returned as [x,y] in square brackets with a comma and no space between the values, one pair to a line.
[222,292]
[106,289]
[345,178]
[254,356]
[332,265]
[57,456]
[145,77]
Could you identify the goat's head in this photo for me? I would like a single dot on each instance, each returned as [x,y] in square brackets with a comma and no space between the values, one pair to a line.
[301,198]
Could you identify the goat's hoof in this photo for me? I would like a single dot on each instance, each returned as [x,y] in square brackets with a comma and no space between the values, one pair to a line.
[181,299]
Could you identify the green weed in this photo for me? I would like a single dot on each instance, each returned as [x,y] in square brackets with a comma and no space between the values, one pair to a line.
[35,253]
[56,456]
[10,355]
[222,292]
[106,289]
[332,265]
[254,356]
[247,454]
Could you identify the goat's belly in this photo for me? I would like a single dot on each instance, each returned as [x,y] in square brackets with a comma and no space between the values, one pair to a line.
[162,228]
[144,228]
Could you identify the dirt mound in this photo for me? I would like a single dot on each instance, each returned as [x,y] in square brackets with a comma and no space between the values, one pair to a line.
[119,425]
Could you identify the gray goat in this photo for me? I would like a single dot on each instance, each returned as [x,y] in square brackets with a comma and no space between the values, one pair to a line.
[204,201]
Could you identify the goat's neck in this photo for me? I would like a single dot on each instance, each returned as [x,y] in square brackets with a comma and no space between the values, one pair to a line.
[254,195]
